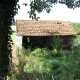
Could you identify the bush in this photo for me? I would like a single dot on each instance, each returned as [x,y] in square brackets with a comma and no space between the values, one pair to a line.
[57,46]
[41,63]
[77,41]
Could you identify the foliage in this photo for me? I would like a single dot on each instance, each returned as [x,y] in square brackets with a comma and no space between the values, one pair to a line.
[8,9]
[41,5]
[70,66]
[36,64]
[13,37]
[77,38]
[77,41]
[39,64]
[57,46]
[77,27]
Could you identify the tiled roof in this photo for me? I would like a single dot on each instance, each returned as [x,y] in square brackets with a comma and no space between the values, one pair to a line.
[44,28]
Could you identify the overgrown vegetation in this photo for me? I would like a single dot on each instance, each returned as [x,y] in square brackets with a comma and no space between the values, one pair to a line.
[13,37]
[40,64]
[57,46]
[8,9]
[77,29]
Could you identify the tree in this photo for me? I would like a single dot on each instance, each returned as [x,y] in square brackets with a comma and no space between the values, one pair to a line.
[8,9]
[40,5]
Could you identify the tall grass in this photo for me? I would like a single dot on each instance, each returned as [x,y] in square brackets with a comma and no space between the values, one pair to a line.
[39,64]
[42,64]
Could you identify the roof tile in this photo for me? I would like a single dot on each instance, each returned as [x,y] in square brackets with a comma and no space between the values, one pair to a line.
[44,28]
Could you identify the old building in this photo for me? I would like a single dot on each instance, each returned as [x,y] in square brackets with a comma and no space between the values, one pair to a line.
[40,33]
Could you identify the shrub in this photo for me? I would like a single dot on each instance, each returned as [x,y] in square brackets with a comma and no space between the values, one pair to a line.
[77,41]
[39,64]
[57,46]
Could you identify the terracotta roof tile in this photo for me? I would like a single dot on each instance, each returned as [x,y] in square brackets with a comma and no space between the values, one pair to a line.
[44,28]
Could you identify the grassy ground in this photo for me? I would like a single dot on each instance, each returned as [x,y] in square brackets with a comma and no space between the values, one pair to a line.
[41,64]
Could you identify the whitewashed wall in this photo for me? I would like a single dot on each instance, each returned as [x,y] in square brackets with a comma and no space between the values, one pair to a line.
[19,39]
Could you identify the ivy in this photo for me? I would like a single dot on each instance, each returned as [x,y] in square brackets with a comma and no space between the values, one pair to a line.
[8,9]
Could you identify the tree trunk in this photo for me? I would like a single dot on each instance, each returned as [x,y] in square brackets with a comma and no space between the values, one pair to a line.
[4,55]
